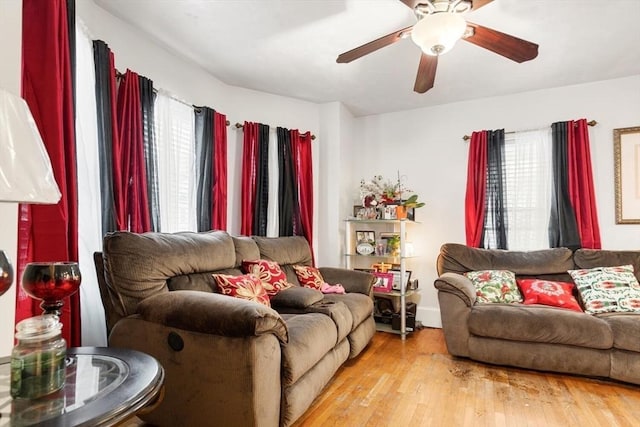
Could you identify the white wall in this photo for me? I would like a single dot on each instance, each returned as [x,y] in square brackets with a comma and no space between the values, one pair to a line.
[426,145]
[10,29]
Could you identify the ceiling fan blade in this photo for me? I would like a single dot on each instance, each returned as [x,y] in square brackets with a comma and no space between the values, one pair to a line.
[372,46]
[503,44]
[412,3]
[426,73]
[477,4]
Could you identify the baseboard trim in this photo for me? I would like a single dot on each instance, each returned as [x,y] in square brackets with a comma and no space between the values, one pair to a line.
[429,317]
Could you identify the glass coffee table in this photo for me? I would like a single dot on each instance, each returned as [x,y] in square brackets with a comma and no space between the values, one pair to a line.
[104,386]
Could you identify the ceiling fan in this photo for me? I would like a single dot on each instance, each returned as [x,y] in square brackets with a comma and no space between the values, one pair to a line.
[440,25]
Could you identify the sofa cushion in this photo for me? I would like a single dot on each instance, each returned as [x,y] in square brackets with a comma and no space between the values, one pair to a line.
[495,286]
[246,248]
[360,306]
[457,258]
[246,286]
[547,292]
[590,258]
[608,289]
[311,336]
[296,297]
[138,266]
[273,278]
[517,322]
[626,330]
[308,276]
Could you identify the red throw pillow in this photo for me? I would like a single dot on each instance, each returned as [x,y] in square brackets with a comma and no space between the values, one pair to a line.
[309,277]
[556,294]
[247,287]
[273,278]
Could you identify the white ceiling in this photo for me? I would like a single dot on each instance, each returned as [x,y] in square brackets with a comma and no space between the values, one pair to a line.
[289,47]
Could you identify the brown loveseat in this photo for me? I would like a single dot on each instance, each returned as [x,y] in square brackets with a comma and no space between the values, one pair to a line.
[536,336]
[228,361]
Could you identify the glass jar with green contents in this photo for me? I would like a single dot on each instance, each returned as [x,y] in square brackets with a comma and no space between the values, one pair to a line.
[38,359]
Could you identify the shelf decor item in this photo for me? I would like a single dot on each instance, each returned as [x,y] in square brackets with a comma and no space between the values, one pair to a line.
[388,198]
[51,282]
[383,283]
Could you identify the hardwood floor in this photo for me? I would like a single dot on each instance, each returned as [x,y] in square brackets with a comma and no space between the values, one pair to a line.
[417,383]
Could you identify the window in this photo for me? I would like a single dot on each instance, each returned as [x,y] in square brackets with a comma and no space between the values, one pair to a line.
[527,178]
[175,131]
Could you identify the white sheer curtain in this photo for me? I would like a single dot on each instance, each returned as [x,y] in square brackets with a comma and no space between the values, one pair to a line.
[528,177]
[273,220]
[175,133]
[94,332]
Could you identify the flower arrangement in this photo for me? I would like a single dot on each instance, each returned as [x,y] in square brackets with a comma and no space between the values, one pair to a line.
[380,191]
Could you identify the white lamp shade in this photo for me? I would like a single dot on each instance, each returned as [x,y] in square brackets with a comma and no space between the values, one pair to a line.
[438,33]
[26,175]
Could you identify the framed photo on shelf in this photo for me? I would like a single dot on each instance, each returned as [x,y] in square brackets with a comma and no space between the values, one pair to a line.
[383,283]
[390,242]
[397,278]
[366,236]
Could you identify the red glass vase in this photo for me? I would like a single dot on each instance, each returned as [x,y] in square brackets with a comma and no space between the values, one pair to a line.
[51,282]
[6,273]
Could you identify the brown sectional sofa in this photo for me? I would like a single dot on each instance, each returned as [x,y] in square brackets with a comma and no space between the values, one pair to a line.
[228,361]
[536,336]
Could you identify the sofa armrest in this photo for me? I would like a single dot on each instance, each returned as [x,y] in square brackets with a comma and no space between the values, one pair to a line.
[352,280]
[458,285]
[211,313]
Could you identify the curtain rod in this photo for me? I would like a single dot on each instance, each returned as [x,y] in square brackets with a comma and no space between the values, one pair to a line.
[590,123]
[240,126]
[120,75]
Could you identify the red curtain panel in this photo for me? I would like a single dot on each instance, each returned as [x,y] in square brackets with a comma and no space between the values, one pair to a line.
[129,153]
[50,232]
[581,190]
[249,170]
[476,188]
[303,160]
[219,190]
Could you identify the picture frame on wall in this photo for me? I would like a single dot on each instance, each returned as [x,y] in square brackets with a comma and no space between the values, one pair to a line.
[626,148]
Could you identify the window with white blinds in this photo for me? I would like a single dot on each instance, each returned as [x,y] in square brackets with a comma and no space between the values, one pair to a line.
[175,133]
[528,178]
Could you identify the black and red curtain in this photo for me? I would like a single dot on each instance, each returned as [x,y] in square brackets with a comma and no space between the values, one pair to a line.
[295,182]
[211,169]
[50,232]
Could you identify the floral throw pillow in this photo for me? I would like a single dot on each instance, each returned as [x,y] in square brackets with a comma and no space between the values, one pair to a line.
[495,286]
[309,277]
[608,289]
[247,287]
[273,278]
[555,294]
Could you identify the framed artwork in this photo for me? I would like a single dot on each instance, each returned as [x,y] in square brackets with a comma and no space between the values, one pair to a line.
[383,283]
[367,236]
[626,148]
[397,277]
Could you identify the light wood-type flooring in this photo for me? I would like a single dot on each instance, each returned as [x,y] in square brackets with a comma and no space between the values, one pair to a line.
[417,383]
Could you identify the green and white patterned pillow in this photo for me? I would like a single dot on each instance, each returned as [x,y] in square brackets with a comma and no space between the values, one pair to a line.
[495,286]
[608,289]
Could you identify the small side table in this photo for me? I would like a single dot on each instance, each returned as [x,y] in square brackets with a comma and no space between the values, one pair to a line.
[104,386]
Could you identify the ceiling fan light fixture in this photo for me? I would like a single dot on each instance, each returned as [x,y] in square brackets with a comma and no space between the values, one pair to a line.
[437,33]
